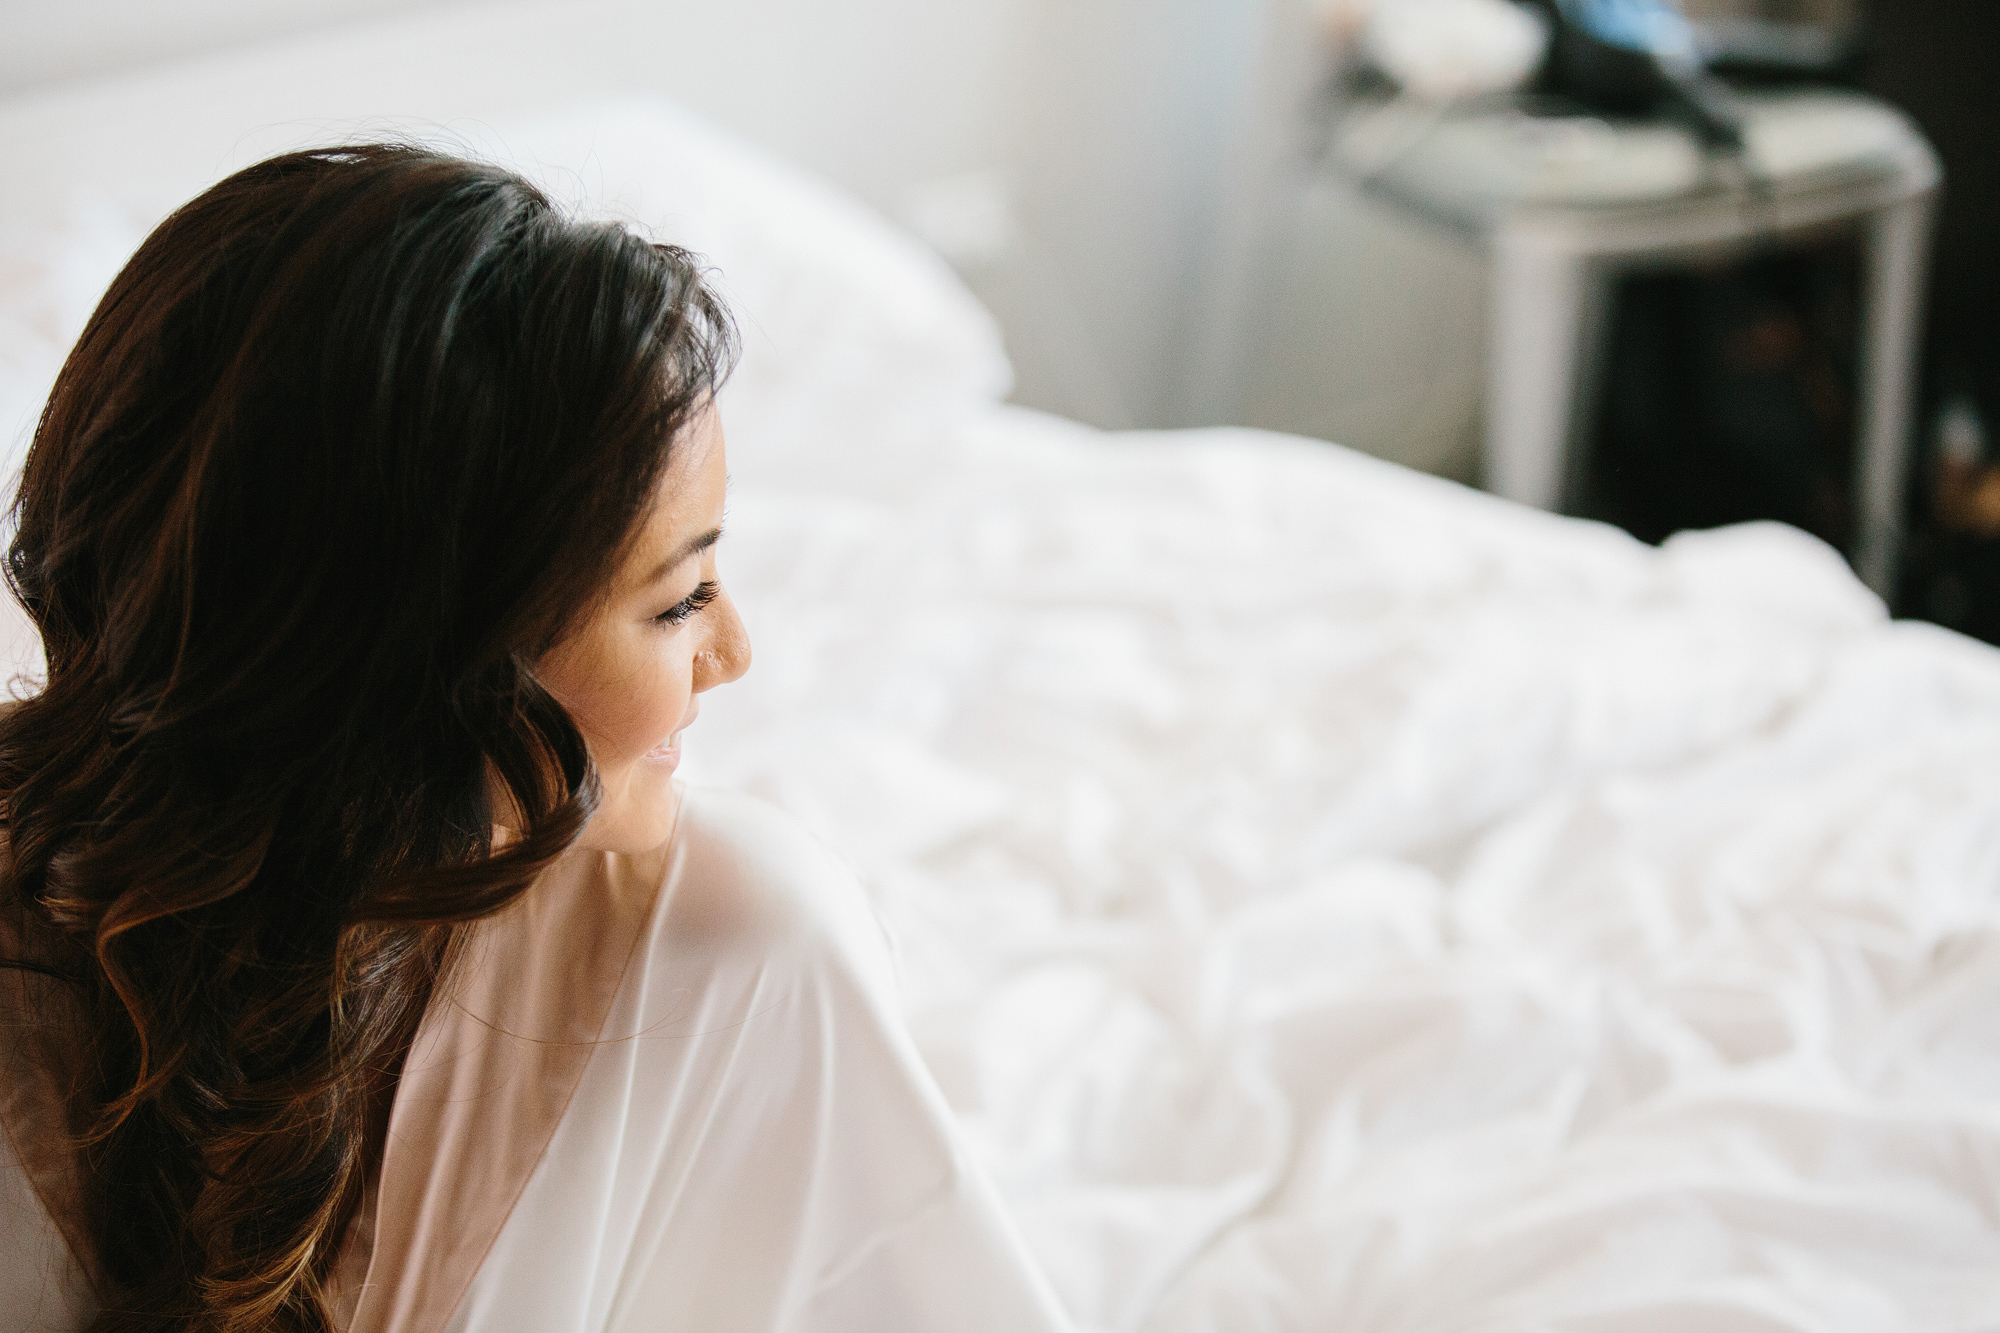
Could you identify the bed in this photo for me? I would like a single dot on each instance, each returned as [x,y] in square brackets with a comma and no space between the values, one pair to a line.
[1332,898]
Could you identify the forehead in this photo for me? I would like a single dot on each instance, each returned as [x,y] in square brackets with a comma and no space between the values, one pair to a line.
[694,465]
[689,495]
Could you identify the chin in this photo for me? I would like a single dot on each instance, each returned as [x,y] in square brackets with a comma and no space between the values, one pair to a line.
[639,818]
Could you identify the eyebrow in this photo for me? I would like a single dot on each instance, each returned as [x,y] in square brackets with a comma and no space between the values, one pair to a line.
[688,549]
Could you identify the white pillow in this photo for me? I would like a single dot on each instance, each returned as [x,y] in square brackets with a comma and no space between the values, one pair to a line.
[843,316]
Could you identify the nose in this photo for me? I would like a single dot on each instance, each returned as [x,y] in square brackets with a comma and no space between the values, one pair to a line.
[726,655]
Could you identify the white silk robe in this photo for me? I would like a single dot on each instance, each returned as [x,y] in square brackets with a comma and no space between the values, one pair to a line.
[660,1093]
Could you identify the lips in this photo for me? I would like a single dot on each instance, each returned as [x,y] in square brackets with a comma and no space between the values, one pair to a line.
[667,754]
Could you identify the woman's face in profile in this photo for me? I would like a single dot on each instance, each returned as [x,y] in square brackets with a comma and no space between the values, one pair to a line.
[665,632]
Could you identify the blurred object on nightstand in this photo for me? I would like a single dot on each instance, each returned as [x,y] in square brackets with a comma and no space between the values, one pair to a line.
[1446,50]
[1967,486]
[1953,576]
[1639,58]
[1778,38]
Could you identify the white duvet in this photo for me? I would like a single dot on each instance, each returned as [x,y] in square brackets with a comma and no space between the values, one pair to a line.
[1341,901]
[1333,899]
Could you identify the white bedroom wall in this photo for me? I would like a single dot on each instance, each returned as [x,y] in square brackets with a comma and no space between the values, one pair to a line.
[1363,324]
[874,93]
[1117,156]
[49,43]
[1165,262]
[1183,262]
[1144,145]
[1093,122]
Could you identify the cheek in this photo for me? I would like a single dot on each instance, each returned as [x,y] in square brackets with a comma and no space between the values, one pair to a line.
[640,704]
[626,690]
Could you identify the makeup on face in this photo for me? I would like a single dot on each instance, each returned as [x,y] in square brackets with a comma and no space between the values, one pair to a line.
[629,678]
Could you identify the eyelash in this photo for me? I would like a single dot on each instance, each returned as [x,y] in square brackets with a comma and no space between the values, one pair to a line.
[690,606]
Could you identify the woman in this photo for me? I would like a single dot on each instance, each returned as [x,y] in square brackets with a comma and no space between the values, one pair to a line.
[367,968]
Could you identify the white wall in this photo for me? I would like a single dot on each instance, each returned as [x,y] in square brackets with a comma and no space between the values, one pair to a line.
[48,42]
[1148,136]
[1184,262]
[1170,262]
[1119,157]
[1371,334]
[875,93]
[1361,323]
[1106,125]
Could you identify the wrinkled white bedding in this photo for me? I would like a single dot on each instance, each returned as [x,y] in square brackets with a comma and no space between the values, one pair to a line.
[1338,900]
[1333,898]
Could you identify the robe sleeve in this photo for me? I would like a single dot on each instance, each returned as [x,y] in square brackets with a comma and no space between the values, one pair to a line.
[756,1145]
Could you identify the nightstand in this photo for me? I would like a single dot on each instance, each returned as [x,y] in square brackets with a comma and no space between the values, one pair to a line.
[1561,204]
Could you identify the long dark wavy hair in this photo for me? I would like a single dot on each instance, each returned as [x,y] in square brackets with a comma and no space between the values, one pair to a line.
[345,448]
